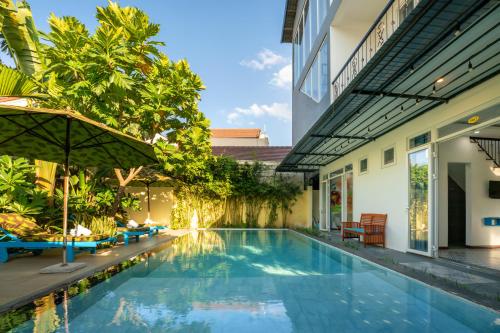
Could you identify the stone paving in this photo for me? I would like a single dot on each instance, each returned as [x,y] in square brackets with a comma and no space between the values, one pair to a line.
[21,282]
[476,283]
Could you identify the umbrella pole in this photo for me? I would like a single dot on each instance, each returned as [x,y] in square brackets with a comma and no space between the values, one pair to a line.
[67,150]
[149,204]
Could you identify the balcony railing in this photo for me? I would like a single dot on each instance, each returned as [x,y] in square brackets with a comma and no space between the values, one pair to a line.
[385,25]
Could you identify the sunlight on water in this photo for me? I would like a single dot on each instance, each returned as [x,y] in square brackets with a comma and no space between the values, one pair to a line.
[250,281]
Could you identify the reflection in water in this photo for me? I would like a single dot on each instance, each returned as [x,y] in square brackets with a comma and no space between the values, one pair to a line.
[46,318]
[255,281]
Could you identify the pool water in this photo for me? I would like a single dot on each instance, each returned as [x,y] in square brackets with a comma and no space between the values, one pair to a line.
[259,281]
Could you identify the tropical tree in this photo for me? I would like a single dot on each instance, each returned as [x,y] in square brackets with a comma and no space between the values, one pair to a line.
[117,75]
[20,39]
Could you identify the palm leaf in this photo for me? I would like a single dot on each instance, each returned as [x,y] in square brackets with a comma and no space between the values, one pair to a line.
[15,84]
[20,35]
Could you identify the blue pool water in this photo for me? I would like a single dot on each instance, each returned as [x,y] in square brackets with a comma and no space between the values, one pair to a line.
[260,281]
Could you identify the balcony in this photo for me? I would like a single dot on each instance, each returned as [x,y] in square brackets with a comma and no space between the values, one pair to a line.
[414,58]
[384,27]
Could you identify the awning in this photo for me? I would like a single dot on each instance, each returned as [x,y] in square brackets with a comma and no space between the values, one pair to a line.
[440,49]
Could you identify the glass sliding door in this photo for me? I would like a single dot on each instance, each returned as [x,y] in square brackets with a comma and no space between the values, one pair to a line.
[336,202]
[349,196]
[419,200]
[323,223]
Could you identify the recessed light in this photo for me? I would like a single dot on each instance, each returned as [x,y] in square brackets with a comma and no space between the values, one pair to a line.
[440,80]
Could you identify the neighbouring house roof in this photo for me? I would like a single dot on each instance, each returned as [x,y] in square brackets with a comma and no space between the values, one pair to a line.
[288,20]
[252,133]
[259,153]
[8,99]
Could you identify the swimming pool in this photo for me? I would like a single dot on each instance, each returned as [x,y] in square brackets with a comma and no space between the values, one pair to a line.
[260,281]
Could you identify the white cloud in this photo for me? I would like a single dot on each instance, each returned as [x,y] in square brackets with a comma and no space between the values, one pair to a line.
[265,59]
[279,111]
[282,78]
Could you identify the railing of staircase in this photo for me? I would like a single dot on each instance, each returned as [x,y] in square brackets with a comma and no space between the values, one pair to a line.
[385,25]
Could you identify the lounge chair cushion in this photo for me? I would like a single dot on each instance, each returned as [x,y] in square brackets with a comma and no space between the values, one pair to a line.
[19,225]
[360,230]
[46,237]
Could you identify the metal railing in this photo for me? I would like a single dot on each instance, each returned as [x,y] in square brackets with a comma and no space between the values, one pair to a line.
[385,25]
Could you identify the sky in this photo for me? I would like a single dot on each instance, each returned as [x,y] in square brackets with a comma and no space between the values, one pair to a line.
[234,45]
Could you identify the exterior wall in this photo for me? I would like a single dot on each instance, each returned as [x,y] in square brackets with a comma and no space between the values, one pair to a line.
[263,141]
[385,189]
[344,27]
[461,150]
[162,201]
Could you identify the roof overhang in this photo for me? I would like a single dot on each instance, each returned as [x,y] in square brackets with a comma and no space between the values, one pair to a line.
[454,40]
[288,21]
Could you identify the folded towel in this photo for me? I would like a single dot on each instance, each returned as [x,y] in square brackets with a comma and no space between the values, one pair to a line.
[80,231]
[132,224]
[149,221]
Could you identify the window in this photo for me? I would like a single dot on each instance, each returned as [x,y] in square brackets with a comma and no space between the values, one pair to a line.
[336,173]
[308,28]
[389,156]
[316,83]
[363,165]
[419,140]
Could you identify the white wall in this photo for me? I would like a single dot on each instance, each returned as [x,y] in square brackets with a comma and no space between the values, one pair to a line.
[385,190]
[162,200]
[461,150]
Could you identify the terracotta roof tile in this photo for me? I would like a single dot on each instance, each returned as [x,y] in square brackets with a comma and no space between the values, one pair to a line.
[259,153]
[8,99]
[235,132]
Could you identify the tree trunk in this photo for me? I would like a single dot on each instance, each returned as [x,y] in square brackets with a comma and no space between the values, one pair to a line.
[121,188]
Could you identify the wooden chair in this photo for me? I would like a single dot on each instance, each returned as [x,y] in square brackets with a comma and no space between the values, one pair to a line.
[370,226]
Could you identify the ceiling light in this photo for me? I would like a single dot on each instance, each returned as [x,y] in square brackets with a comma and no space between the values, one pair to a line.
[477,132]
[433,89]
[440,80]
[470,66]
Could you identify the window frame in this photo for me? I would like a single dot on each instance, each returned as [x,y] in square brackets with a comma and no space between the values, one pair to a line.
[394,160]
[360,171]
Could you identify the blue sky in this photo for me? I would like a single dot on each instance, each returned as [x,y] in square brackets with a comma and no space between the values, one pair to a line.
[234,45]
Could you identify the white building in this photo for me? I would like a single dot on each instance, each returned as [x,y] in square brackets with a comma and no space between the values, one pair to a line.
[396,107]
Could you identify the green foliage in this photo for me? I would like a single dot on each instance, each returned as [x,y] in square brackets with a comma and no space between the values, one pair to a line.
[14,83]
[17,190]
[118,76]
[90,197]
[227,194]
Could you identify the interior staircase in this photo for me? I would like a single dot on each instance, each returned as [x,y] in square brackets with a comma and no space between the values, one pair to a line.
[490,146]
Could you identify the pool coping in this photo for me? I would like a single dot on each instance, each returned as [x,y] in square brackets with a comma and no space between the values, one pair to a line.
[458,295]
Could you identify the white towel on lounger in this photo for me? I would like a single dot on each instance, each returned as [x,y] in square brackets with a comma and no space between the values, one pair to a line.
[132,224]
[80,231]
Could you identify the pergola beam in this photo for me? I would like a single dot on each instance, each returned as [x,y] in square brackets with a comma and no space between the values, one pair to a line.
[335,136]
[398,95]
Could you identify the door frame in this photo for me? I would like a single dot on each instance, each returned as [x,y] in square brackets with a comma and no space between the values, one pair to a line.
[324,204]
[431,211]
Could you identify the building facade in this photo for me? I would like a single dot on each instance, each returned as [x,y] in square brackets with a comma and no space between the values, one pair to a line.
[396,106]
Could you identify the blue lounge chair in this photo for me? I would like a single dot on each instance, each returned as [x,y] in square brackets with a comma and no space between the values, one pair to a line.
[127,232]
[20,234]
[156,228]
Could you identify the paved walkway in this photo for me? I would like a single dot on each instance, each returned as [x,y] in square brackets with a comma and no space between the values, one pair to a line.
[478,284]
[21,282]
